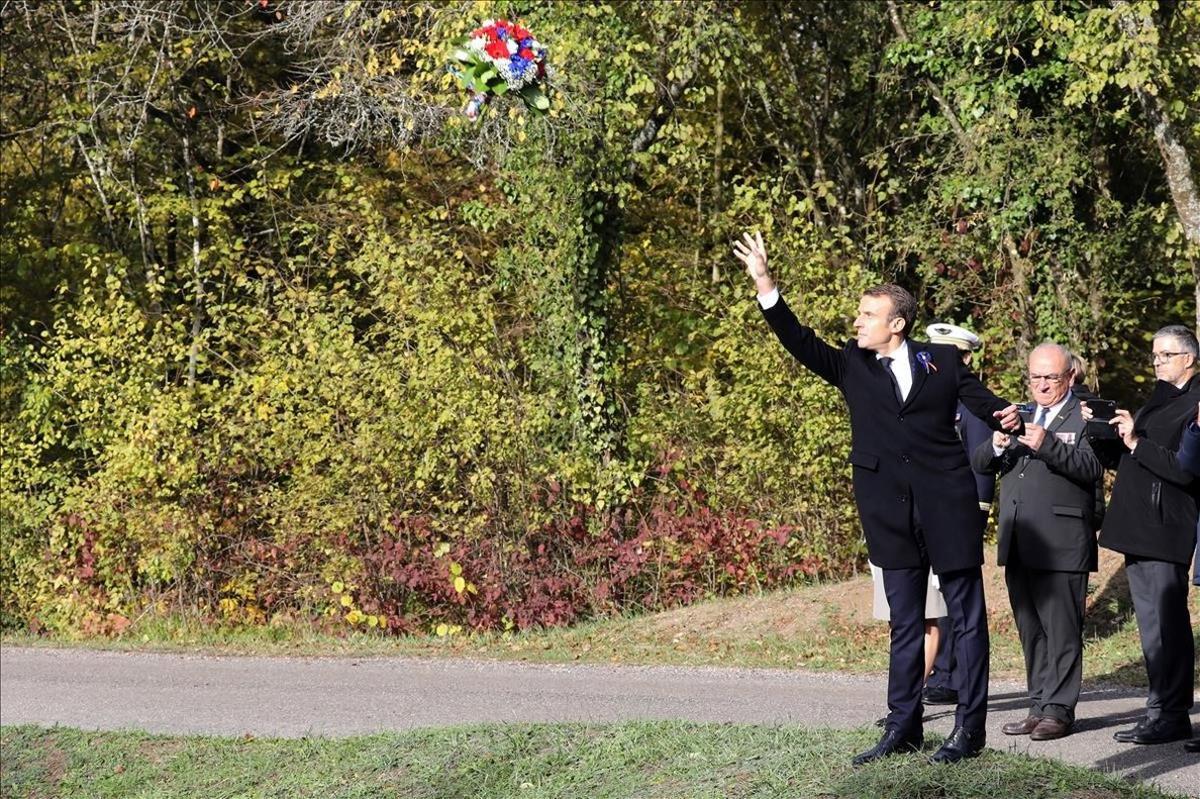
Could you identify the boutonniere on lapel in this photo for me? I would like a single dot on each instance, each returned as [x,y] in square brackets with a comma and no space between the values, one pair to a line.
[926,360]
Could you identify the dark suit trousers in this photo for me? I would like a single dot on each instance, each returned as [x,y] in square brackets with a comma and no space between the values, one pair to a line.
[963,591]
[1048,607]
[1159,590]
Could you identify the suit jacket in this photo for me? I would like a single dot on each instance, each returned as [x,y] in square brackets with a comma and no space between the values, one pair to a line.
[904,455]
[1153,510]
[973,431]
[1047,497]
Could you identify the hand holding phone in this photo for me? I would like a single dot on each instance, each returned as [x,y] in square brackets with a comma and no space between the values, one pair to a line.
[1102,410]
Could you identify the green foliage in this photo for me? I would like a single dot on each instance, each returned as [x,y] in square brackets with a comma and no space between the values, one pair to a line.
[269,300]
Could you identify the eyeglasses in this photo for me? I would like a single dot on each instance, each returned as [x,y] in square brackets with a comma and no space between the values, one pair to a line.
[1047,378]
[1156,357]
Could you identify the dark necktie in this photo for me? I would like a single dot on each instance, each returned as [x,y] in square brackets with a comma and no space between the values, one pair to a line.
[887,367]
[1041,420]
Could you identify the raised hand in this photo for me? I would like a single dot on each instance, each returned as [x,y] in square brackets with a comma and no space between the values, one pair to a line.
[751,251]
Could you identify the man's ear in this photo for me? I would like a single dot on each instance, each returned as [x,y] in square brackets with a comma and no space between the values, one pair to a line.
[896,324]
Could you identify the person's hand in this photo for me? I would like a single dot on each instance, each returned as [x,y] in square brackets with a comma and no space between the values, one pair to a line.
[1124,424]
[753,253]
[1085,412]
[1001,439]
[1010,419]
[1033,436]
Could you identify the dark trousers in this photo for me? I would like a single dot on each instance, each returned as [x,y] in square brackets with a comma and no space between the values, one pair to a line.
[963,591]
[1159,590]
[1048,608]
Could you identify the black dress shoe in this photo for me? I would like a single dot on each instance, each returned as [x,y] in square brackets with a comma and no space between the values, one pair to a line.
[892,743]
[1126,736]
[1192,745]
[1161,731]
[940,695]
[961,744]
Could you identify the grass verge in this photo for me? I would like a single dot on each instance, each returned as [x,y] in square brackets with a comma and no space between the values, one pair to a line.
[641,759]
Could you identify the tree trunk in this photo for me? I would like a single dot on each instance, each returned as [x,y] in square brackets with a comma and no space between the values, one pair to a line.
[1176,163]
[947,110]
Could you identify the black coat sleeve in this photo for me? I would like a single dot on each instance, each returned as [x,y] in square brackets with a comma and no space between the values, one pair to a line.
[825,361]
[980,400]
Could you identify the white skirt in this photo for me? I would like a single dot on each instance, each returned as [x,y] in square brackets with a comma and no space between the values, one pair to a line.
[935,603]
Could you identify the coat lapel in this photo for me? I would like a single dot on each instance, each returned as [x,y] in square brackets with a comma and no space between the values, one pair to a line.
[919,373]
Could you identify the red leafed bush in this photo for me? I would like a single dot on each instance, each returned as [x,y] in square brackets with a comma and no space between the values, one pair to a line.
[679,551]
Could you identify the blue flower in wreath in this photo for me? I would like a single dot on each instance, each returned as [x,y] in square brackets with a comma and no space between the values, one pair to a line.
[927,361]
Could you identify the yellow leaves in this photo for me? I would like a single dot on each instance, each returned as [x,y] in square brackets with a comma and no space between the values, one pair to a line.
[443,630]
[346,600]
[460,585]
[338,586]
[331,89]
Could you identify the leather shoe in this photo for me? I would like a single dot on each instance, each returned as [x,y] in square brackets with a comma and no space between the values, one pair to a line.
[940,695]
[1126,736]
[1022,727]
[892,743]
[1192,745]
[1161,731]
[1048,729]
[961,744]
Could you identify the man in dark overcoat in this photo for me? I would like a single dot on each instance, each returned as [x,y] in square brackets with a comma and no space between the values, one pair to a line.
[913,487]
[1151,520]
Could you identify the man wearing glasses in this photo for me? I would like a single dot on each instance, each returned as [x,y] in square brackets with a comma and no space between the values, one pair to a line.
[1047,541]
[1152,521]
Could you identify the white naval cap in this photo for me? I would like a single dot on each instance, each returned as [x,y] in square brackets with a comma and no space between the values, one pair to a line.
[943,333]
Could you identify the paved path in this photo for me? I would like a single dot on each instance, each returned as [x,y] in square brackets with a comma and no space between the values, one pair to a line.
[341,696]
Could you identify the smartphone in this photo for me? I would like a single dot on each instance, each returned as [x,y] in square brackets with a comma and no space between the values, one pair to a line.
[1102,409]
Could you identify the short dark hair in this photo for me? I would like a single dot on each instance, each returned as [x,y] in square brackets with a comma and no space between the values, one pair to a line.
[1185,337]
[904,305]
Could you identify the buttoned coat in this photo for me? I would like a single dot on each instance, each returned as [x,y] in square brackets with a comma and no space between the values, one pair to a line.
[906,456]
[1047,496]
[1155,501]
